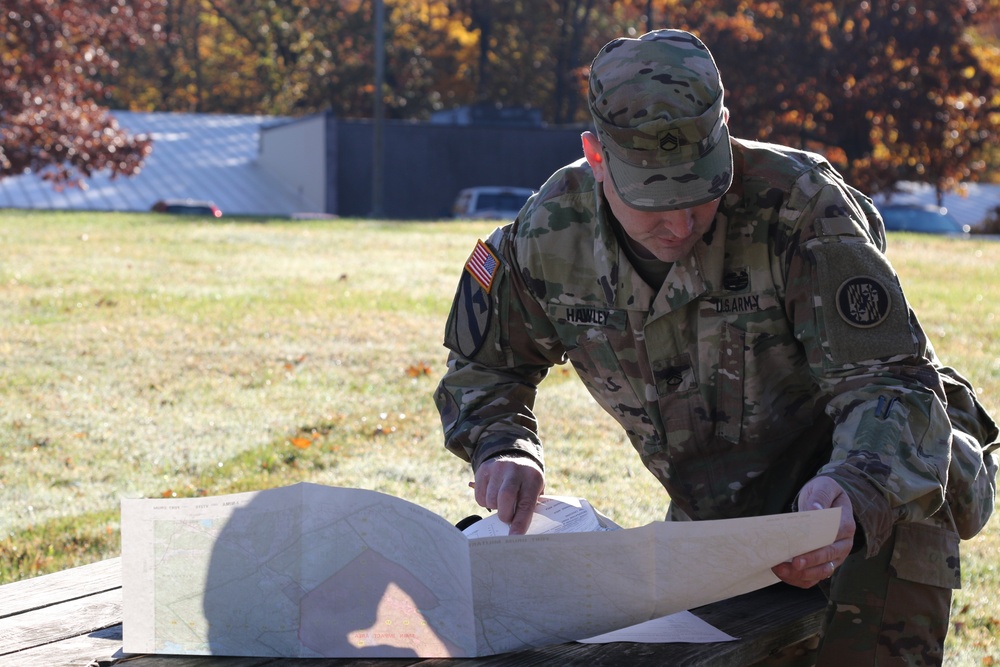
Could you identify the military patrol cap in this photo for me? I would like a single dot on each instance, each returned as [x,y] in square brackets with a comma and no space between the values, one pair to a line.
[658,110]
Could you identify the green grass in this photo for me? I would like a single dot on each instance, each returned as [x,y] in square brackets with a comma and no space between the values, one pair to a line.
[149,356]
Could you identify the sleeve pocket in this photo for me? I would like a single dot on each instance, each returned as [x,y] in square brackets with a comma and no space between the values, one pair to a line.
[926,554]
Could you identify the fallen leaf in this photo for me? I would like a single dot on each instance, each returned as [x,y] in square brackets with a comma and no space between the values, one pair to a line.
[302,443]
[418,369]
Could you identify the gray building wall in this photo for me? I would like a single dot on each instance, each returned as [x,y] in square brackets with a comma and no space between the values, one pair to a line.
[291,153]
[425,165]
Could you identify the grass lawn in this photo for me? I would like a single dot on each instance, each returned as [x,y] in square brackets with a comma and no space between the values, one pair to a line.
[147,355]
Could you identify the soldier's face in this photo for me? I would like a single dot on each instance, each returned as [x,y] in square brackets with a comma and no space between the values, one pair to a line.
[666,235]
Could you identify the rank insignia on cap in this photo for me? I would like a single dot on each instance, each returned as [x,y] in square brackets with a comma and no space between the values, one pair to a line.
[483,265]
[863,302]
[669,142]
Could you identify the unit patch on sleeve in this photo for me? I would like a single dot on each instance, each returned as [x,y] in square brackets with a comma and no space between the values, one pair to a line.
[482,265]
[863,313]
[472,315]
[863,302]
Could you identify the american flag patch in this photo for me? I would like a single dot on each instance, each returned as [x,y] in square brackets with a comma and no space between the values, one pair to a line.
[483,265]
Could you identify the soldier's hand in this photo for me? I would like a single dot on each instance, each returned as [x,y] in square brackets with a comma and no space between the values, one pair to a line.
[510,485]
[811,568]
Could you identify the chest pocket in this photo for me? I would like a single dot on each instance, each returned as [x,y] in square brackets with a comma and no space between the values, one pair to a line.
[764,392]
[602,350]
[687,418]
[743,379]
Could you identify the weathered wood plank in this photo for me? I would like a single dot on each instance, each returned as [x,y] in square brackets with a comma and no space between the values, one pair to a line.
[47,589]
[97,648]
[56,622]
[209,661]
[219,661]
[767,620]
[73,618]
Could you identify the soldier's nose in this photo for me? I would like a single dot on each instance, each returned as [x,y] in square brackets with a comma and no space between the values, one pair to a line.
[680,223]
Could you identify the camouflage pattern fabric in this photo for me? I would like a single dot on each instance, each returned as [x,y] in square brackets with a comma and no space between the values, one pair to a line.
[782,348]
[658,109]
[891,609]
[894,597]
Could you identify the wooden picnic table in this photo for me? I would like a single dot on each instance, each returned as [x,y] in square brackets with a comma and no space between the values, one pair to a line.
[74,618]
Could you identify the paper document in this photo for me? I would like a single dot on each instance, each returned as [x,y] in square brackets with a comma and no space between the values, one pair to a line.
[682,627]
[553,514]
[318,571]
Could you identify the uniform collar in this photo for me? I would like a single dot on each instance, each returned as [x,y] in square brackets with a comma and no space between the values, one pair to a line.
[689,278]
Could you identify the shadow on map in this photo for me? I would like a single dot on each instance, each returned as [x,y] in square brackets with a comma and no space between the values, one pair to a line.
[272,592]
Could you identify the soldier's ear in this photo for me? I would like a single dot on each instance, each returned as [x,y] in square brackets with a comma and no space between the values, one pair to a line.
[592,152]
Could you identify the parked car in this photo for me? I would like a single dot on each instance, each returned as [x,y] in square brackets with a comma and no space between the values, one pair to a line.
[927,219]
[188,207]
[492,202]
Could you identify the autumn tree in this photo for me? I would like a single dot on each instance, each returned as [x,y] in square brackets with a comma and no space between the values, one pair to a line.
[52,118]
[298,57]
[215,57]
[889,89]
[537,53]
[304,56]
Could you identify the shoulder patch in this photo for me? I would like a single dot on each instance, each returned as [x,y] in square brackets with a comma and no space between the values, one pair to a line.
[471,317]
[863,302]
[862,312]
[482,265]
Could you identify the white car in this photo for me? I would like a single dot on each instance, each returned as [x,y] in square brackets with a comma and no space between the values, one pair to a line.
[491,202]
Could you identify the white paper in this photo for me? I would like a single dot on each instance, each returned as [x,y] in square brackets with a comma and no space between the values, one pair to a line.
[553,514]
[680,628]
[317,571]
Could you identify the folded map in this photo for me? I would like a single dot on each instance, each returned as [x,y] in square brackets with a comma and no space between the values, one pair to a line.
[319,571]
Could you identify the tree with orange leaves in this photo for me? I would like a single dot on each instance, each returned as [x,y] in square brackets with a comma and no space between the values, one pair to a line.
[890,90]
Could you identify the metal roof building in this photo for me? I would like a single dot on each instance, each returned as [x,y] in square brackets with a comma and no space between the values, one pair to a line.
[316,165]
[321,165]
[195,156]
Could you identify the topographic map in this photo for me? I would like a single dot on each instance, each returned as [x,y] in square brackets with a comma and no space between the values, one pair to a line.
[318,571]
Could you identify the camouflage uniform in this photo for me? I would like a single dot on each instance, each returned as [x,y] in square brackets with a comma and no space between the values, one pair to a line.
[780,349]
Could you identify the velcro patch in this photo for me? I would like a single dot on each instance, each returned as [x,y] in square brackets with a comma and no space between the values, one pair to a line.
[471,318]
[589,316]
[749,303]
[482,265]
[865,315]
[737,280]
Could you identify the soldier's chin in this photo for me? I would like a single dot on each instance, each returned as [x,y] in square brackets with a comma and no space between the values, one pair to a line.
[673,250]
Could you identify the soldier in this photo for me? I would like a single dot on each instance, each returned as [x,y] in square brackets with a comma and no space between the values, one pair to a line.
[729,303]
